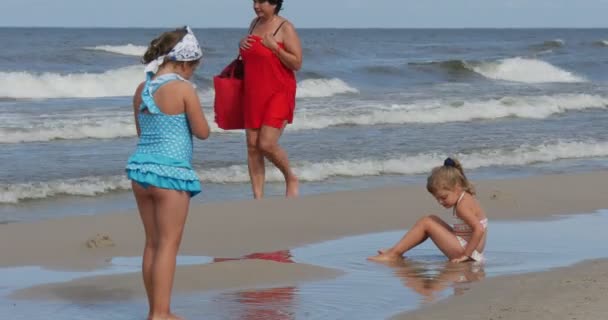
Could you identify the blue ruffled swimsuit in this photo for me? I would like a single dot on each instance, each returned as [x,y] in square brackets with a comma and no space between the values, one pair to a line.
[164,152]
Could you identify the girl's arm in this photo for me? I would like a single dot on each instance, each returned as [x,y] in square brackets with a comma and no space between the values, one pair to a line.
[136,103]
[291,56]
[467,214]
[194,112]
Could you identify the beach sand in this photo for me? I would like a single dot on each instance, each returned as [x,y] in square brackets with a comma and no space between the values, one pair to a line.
[238,228]
[579,292]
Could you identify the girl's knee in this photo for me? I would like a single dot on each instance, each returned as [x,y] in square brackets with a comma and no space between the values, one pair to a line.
[151,244]
[170,242]
[428,219]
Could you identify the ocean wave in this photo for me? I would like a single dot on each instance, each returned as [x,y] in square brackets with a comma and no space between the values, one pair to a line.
[450,66]
[439,111]
[601,43]
[549,45]
[309,88]
[112,83]
[512,69]
[127,50]
[101,125]
[320,88]
[525,70]
[400,165]
[16,128]
[383,70]
[121,82]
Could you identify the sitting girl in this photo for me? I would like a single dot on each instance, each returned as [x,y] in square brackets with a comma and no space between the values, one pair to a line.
[465,239]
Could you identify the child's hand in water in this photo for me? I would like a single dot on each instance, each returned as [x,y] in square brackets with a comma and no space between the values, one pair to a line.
[460,260]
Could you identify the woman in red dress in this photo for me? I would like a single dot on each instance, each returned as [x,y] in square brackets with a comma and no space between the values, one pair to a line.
[271,54]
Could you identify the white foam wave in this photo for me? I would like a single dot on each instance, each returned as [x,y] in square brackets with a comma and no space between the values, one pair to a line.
[127,50]
[437,111]
[319,88]
[88,186]
[112,83]
[48,128]
[418,164]
[525,70]
[309,88]
[401,165]
[101,125]
[119,124]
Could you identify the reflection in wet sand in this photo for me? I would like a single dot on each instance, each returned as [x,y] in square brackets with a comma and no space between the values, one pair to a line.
[430,280]
[264,304]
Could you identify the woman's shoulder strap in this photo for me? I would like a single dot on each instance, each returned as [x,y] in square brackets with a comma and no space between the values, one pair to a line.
[279,28]
[253,24]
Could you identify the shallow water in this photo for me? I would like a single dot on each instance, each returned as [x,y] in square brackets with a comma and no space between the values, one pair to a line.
[367,290]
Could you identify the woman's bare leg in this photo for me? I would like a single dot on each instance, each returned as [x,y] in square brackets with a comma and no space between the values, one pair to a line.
[268,142]
[255,163]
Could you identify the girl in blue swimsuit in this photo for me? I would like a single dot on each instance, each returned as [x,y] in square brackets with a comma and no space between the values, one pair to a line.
[167,114]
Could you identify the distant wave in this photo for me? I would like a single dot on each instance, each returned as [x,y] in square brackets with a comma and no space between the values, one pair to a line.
[112,83]
[601,43]
[383,70]
[119,124]
[127,50]
[401,165]
[525,70]
[310,75]
[549,45]
[319,88]
[99,125]
[512,69]
[438,111]
[449,66]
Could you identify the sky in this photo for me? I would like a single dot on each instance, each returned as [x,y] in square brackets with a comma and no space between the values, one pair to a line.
[309,13]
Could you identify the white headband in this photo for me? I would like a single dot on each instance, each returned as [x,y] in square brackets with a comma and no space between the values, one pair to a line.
[187,49]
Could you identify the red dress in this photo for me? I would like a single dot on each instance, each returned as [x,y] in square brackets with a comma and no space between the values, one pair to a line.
[269,87]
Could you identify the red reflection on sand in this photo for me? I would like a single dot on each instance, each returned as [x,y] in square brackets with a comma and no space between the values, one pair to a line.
[267,304]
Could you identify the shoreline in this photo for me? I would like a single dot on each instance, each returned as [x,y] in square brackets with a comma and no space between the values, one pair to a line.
[234,229]
[243,227]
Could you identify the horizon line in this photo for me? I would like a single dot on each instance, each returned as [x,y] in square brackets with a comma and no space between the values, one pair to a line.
[302,28]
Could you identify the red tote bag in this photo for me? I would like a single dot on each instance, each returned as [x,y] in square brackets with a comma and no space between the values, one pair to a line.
[228,104]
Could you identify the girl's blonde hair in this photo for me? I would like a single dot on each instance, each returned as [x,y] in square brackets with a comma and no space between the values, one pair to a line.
[448,176]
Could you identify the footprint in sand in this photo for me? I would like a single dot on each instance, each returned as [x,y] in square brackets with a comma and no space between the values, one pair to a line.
[100,241]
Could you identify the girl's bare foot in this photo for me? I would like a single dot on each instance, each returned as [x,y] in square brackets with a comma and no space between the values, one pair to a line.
[385,255]
[292,187]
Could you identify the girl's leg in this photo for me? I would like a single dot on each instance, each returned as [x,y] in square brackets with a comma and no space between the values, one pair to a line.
[171,212]
[145,205]
[268,142]
[255,162]
[431,226]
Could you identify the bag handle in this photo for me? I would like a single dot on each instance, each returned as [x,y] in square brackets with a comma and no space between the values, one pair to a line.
[239,58]
[250,32]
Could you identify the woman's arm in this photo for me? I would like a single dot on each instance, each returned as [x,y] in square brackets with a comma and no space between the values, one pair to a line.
[291,56]
[136,103]
[194,113]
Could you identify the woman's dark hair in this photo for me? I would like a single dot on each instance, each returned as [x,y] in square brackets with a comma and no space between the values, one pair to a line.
[163,44]
[278,3]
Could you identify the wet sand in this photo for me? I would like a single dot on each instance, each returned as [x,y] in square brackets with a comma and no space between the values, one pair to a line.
[228,275]
[239,228]
[579,292]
